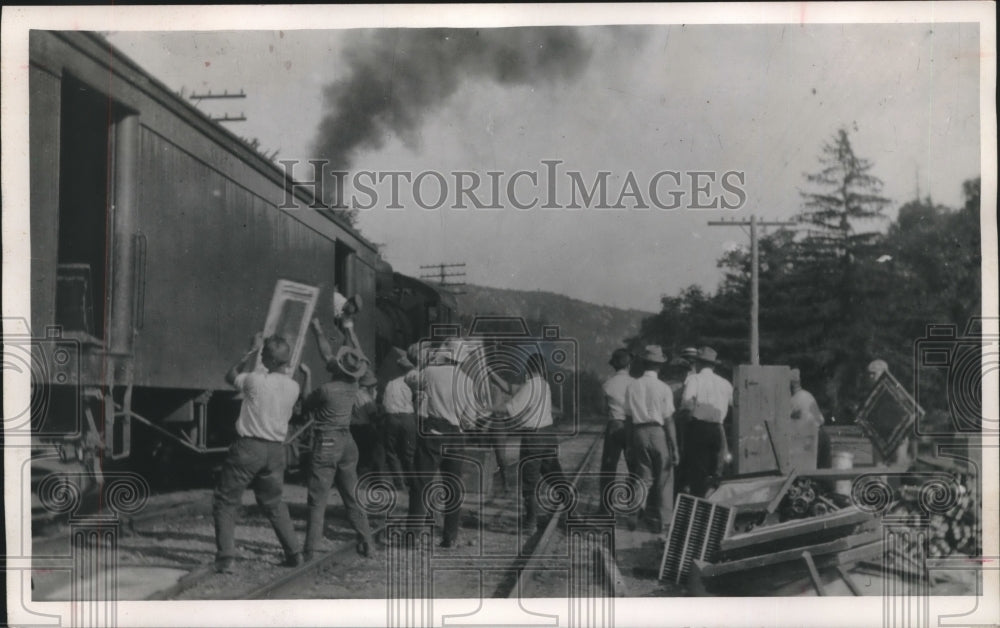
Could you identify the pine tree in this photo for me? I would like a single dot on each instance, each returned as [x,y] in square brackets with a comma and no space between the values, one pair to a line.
[847,193]
[843,196]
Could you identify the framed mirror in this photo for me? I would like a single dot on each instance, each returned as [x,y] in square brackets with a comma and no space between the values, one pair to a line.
[888,414]
[288,316]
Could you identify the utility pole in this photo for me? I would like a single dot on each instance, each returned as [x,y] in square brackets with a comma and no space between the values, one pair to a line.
[442,274]
[225,95]
[753,223]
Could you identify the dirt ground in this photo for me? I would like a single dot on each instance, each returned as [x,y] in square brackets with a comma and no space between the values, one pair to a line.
[154,553]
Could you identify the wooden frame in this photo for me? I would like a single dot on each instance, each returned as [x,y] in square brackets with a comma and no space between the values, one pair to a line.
[888,413]
[302,298]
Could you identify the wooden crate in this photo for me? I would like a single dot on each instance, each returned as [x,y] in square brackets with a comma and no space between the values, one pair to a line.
[762,418]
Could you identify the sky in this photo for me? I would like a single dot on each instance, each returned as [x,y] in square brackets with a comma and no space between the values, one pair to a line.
[760,100]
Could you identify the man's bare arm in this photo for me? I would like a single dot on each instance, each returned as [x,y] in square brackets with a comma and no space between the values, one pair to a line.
[241,365]
[325,349]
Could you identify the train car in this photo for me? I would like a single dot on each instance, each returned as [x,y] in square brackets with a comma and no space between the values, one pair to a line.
[157,239]
[406,310]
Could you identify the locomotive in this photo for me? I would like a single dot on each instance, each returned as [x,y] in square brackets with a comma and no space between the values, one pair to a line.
[157,239]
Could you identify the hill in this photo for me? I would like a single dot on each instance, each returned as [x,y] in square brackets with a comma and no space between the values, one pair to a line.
[598,329]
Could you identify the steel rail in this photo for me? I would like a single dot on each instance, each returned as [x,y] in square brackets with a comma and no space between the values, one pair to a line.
[535,560]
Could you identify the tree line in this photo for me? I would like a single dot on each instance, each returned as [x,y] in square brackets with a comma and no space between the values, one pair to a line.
[843,287]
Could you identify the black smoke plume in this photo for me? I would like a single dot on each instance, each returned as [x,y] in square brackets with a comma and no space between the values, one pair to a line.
[400,75]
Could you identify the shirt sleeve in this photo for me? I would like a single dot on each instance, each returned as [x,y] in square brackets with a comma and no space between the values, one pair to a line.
[690,393]
[240,382]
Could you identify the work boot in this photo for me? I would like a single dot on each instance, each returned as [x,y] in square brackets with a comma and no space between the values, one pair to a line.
[307,556]
[225,565]
[293,560]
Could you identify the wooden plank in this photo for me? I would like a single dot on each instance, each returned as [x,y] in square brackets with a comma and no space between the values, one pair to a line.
[776,500]
[846,577]
[774,450]
[779,579]
[844,517]
[813,573]
[861,552]
[753,562]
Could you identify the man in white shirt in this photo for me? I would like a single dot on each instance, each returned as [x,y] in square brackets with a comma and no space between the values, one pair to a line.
[529,412]
[257,456]
[440,423]
[483,401]
[616,433]
[708,398]
[803,404]
[804,408]
[649,404]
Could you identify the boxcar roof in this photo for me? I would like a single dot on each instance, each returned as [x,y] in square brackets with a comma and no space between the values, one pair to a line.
[91,43]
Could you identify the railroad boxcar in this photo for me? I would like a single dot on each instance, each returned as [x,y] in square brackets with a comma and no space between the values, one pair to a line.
[157,239]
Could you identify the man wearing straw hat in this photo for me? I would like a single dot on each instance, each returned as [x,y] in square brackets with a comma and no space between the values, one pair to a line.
[334,454]
[708,398]
[649,403]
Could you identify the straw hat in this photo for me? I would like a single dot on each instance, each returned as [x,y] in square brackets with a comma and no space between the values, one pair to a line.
[348,361]
[707,355]
[654,354]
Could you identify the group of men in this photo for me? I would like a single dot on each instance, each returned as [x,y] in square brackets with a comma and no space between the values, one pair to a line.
[671,430]
[661,426]
[424,417]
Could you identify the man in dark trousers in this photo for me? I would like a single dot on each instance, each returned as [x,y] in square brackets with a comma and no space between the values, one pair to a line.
[257,456]
[529,413]
[616,432]
[334,454]
[441,423]
[400,422]
[366,426]
[676,374]
[649,404]
[708,398]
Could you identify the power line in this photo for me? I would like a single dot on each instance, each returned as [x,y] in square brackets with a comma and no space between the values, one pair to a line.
[443,274]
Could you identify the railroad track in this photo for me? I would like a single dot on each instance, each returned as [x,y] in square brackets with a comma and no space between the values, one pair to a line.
[291,581]
[522,585]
